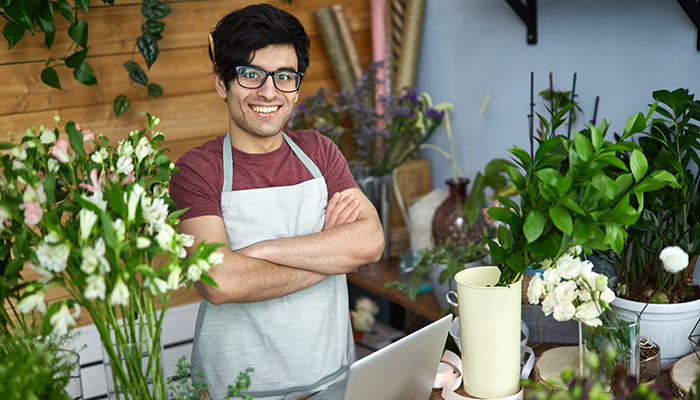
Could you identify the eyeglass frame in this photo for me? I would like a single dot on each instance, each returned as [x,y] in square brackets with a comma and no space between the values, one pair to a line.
[268,74]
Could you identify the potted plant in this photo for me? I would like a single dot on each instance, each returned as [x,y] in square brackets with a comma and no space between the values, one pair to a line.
[671,218]
[97,222]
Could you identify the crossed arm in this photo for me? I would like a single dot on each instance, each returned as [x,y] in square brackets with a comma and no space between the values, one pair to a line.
[351,236]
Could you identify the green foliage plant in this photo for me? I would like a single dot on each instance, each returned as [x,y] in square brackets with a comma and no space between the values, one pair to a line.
[671,216]
[576,191]
[180,388]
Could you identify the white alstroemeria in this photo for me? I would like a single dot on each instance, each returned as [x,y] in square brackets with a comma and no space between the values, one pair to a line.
[63,319]
[216,258]
[33,212]
[125,165]
[187,240]
[366,304]
[18,165]
[158,283]
[142,242]
[48,275]
[120,294]
[166,238]
[134,199]
[588,313]
[100,156]
[125,149]
[54,165]
[174,278]
[29,303]
[568,267]
[97,198]
[550,278]
[87,222]
[19,153]
[550,301]
[535,289]
[674,259]
[194,272]
[564,311]
[51,256]
[101,251]
[362,321]
[96,287]
[565,292]
[203,265]
[155,211]
[607,295]
[47,137]
[32,194]
[119,229]
[143,149]
[90,260]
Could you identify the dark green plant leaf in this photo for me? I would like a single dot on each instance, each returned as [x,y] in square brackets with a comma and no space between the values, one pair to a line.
[515,176]
[78,31]
[84,74]
[154,90]
[549,176]
[121,104]
[44,18]
[501,214]
[13,33]
[562,219]
[76,139]
[136,74]
[505,237]
[21,13]
[639,165]
[50,77]
[582,232]
[583,146]
[65,10]
[151,27]
[533,226]
[525,159]
[499,255]
[148,46]
[77,58]
[82,4]
[155,10]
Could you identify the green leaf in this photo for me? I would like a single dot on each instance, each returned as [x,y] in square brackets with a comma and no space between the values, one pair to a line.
[622,183]
[562,219]
[639,165]
[77,58]
[534,225]
[497,252]
[154,90]
[151,27]
[505,237]
[635,124]
[583,146]
[136,74]
[21,13]
[65,10]
[525,158]
[50,77]
[7,145]
[515,176]
[501,214]
[155,10]
[596,138]
[85,75]
[515,262]
[121,104]
[76,139]
[82,4]
[614,237]
[78,31]
[549,176]
[582,232]
[44,18]
[148,46]
[13,33]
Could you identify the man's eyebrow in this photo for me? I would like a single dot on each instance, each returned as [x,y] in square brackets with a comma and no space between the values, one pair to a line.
[285,68]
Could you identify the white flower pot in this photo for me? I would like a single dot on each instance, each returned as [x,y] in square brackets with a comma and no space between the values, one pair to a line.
[440,289]
[490,333]
[669,325]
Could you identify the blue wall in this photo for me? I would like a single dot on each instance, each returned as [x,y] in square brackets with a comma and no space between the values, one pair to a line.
[621,50]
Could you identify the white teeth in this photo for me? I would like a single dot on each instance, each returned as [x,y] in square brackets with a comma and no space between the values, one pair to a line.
[265,110]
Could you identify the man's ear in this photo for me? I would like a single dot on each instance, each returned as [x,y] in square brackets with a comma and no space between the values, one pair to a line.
[219,84]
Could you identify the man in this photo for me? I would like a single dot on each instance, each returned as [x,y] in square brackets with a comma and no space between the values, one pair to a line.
[281,305]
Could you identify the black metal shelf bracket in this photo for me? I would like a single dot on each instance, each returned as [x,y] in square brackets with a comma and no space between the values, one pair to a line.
[692,8]
[528,14]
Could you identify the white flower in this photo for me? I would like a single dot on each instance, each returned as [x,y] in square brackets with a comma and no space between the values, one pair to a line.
[120,229]
[97,198]
[63,319]
[125,165]
[568,266]
[564,311]
[362,321]
[187,240]
[565,292]
[97,158]
[367,305]
[47,137]
[87,221]
[120,294]
[155,211]
[535,289]
[53,257]
[38,194]
[143,149]
[18,165]
[601,283]
[36,300]
[674,259]
[96,287]
[547,263]
[194,272]
[588,314]
[550,301]
[203,265]
[54,165]
[607,295]
[584,295]
[134,199]
[90,260]
[550,278]
[158,283]
[48,275]
[216,258]
[4,216]
[575,250]
[142,242]
[165,238]
[174,278]
[125,149]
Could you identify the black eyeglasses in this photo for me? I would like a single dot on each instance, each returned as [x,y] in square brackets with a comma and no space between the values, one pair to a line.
[254,77]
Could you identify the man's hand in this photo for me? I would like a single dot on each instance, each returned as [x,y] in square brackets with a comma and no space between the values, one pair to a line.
[341,211]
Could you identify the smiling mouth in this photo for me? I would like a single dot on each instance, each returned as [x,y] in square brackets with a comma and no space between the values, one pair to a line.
[265,110]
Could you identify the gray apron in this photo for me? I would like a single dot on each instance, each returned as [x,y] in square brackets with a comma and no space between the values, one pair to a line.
[297,344]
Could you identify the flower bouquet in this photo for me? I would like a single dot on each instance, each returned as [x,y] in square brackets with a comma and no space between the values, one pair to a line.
[98,223]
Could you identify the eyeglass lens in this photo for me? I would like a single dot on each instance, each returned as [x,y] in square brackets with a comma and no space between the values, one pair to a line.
[253,78]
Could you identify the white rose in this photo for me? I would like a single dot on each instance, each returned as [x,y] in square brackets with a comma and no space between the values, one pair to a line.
[550,278]
[366,304]
[568,267]
[607,295]
[96,287]
[584,295]
[36,300]
[564,311]
[575,250]
[120,294]
[535,290]
[674,259]
[362,321]
[550,301]
[588,314]
[565,292]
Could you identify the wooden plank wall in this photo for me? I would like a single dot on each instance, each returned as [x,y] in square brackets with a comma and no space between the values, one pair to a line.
[190,110]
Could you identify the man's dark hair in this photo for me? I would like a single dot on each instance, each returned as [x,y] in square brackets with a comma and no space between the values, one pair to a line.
[239,34]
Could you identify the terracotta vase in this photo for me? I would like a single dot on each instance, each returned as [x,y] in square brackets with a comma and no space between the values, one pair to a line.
[449,220]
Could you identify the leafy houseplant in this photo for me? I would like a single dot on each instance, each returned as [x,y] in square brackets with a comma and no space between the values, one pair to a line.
[98,223]
[671,217]
[573,192]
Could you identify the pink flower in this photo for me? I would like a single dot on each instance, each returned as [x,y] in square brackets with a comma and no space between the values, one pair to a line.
[60,150]
[37,194]
[88,135]
[96,183]
[32,212]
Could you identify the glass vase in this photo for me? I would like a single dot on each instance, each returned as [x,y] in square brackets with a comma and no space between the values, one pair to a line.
[613,348]
[449,220]
[74,389]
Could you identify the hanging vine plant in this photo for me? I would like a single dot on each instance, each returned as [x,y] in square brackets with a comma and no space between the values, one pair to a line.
[38,16]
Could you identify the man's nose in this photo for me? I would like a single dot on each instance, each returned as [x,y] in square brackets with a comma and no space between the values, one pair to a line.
[268,89]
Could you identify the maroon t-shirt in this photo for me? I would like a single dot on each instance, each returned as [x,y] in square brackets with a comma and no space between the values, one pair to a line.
[198,184]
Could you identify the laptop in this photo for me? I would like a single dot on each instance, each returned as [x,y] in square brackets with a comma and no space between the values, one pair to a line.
[403,370]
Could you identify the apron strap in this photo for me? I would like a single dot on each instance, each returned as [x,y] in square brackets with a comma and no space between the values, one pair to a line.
[228,161]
